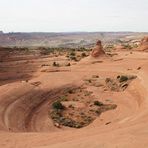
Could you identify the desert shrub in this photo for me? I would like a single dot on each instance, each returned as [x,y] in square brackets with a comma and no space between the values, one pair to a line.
[135,46]
[83,54]
[57,105]
[82,49]
[127,46]
[109,48]
[123,78]
[55,64]
[98,112]
[87,93]
[71,106]
[89,80]
[72,54]
[73,58]
[98,103]
[68,64]
[70,91]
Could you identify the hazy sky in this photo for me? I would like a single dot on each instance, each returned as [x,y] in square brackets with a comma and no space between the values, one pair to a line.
[73,15]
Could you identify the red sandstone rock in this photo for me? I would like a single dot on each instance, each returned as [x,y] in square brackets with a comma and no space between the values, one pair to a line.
[97,50]
[144,44]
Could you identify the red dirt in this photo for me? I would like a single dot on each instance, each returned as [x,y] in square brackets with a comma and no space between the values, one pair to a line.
[24,119]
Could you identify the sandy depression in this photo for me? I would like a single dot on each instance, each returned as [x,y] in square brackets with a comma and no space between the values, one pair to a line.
[28,89]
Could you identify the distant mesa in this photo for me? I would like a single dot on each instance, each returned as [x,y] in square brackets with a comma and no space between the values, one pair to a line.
[97,50]
[144,44]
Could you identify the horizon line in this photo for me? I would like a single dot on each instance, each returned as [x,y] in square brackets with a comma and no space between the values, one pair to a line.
[2,32]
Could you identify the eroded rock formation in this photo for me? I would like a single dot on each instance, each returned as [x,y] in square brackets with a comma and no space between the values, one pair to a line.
[97,50]
[144,44]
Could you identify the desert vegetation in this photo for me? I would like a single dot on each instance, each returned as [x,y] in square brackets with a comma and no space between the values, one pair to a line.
[120,83]
[77,108]
[59,90]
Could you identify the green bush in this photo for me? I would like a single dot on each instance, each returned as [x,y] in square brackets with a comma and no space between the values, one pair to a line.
[57,105]
[97,103]
[73,58]
[123,78]
[70,91]
[127,46]
[72,54]
[55,64]
[83,54]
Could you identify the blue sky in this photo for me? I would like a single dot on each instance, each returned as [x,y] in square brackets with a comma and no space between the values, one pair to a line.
[73,15]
